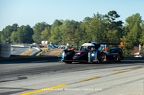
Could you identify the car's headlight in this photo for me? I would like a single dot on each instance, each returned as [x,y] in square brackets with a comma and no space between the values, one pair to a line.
[92,54]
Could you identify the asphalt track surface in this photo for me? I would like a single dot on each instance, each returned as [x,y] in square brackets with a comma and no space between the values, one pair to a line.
[50,76]
[19,50]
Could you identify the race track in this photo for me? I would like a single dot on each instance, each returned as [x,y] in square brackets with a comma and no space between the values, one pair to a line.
[18,50]
[58,78]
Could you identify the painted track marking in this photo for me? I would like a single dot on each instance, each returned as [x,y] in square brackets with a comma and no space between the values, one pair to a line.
[44,89]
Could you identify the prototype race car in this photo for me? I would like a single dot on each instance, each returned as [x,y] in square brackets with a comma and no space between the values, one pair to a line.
[92,52]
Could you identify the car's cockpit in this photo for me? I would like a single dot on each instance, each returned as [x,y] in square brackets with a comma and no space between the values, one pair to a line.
[89,47]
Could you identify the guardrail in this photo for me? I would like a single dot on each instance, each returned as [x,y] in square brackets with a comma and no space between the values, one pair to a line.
[29,59]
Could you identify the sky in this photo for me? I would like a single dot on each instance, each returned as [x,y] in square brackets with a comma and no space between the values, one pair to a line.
[30,12]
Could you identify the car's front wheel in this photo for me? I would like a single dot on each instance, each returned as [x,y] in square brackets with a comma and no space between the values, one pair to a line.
[101,57]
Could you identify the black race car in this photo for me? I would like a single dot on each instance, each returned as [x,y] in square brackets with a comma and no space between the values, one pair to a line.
[92,52]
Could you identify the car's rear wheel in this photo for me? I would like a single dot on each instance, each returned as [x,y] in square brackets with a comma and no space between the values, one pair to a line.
[118,58]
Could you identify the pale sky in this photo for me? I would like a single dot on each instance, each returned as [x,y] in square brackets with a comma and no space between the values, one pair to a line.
[30,12]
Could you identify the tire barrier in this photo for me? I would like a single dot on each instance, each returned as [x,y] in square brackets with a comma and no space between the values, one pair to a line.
[5,50]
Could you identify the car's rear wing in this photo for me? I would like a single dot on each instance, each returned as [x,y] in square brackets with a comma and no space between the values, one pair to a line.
[109,43]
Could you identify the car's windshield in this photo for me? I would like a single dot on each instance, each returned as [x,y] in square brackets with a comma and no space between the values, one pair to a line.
[87,48]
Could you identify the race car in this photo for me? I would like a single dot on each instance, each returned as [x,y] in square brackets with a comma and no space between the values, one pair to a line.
[92,52]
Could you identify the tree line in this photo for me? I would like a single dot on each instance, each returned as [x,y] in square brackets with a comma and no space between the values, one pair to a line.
[99,28]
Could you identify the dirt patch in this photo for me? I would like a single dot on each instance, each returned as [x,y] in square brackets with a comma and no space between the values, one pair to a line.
[53,52]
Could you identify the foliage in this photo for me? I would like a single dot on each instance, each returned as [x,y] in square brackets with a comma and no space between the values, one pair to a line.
[22,35]
[99,28]
[133,36]
[142,34]
[6,32]
[55,32]
[38,28]
[45,34]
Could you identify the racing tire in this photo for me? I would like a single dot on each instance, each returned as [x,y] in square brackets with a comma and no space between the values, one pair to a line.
[100,57]
[118,58]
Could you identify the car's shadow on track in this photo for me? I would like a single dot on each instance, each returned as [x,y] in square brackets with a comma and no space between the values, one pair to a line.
[127,60]
[88,66]
[29,60]
[112,62]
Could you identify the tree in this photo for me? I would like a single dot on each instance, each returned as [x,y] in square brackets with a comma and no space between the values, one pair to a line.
[45,34]
[74,33]
[114,28]
[56,35]
[78,35]
[141,40]
[15,27]
[71,32]
[14,37]
[38,28]
[0,36]
[85,28]
[98,25]
[6,32]
[24,34]
[64,28]
[94,28]
[133,33]
[112,15]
